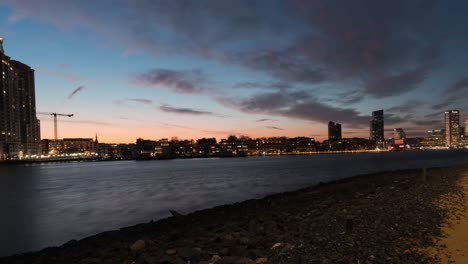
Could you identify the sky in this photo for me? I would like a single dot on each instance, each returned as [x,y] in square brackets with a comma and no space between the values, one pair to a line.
[210,68]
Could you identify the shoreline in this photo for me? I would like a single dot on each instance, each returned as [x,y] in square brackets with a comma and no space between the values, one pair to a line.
[341,221]
[69,160]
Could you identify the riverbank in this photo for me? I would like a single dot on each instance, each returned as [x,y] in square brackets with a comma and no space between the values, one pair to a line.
[95,159]
[386,217]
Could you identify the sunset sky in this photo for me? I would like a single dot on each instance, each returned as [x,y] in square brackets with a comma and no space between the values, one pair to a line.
[210,68]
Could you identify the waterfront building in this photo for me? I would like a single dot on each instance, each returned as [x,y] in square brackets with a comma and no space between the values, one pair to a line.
[145,149]
[452,124]
[434,139]
[334,131]
[377,127]
[79,145]
[233,146]
[19,126]
[207,147]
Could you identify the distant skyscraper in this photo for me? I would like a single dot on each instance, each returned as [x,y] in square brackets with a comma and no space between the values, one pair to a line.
[19,127]
[334,130]
[452,131]
[377,126]
[466,126]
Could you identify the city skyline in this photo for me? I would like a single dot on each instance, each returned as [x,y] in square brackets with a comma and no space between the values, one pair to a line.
[192,79]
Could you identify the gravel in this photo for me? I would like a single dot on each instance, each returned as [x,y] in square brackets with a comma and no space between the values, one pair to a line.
[388,217]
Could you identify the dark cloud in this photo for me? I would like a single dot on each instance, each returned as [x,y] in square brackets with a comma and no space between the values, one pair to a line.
[450,100]
[395,84]
[178,81]
[435,114]
[390,47]
[460,85]
[281,65]
[274,128]
[377,49]
[429,123]
[185,111]
[298,105]
[262,85]
[141,100]
[266,119]
[407,107]
[76,91]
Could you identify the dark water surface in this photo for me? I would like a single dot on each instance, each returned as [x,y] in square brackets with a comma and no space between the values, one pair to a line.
[48,204]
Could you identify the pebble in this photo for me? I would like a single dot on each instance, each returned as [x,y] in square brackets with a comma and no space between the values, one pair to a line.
[171,252]
[261,260]
[138,245]
[276,245]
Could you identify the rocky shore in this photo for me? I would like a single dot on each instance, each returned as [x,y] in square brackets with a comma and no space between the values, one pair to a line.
[391,217]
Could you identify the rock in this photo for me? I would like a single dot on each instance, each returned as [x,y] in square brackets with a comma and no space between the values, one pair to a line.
[165,260]
[276,245]
[171,252]
[215,259]
[261,260]
[224,251]
[244,240]
[149,259]
[235,260]
[138,245]
[188,253]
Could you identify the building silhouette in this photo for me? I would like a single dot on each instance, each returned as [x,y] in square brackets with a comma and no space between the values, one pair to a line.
[466,126]
[399,133]
[377,126]
[452,130]
[19,126]
[334,131]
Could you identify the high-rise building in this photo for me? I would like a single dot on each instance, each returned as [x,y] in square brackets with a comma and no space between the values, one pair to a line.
[434,138]
[452,124]
[19,127]
[334,131]
[377,126]
[466,126]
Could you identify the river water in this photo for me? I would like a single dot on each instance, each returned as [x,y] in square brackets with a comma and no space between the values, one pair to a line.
[48,204]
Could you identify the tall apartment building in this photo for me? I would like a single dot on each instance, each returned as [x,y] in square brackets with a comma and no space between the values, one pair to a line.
[452,130]
[377,126]
[19,127]
[334,131]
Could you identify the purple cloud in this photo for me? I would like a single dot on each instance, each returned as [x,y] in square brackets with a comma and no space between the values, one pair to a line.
[177,81]
[458,86]
[274,128]
[180,110]
[76,91]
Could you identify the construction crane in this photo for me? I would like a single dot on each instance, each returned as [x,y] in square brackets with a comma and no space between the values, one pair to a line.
[55,126]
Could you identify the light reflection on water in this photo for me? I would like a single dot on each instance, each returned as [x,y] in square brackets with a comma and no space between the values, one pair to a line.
[49,204]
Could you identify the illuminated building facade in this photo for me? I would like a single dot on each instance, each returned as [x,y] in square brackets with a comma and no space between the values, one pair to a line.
[452,130]
[19,127]
[466,126]
[377,127]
